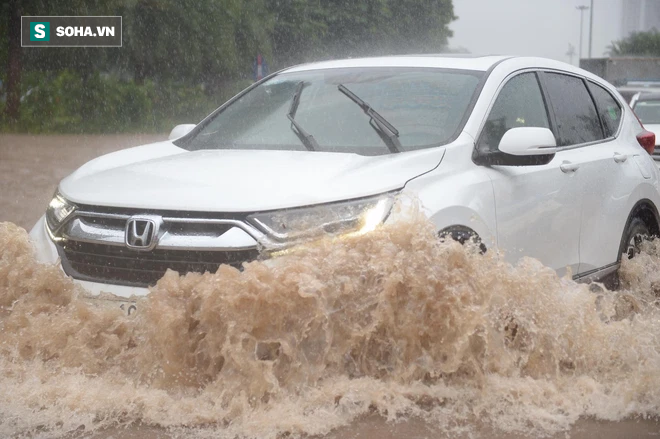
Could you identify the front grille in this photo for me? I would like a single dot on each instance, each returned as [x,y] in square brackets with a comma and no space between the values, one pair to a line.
[656,153]
[118,265]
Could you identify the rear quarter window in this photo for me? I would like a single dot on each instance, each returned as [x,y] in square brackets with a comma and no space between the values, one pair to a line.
[608,108]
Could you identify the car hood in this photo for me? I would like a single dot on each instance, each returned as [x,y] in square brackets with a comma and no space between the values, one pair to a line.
[163,176]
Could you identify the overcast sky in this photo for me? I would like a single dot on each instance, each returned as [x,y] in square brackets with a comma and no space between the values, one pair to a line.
[533,27]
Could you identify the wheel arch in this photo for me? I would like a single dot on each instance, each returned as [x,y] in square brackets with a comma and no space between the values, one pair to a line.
[463,220]
[645,210]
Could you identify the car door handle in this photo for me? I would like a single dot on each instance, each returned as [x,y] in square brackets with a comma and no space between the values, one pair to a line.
[620,158]
[568,167]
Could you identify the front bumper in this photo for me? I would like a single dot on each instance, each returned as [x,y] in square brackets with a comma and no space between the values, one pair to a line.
[46,253]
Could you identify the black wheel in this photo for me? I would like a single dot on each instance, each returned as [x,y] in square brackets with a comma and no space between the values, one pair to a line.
[636,233]
[463,234]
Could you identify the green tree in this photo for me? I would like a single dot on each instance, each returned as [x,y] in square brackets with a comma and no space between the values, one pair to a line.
[193,41]
[170,40]
[638,44]
[297,27]
[12,11]
[83,60]
[307,30]
[179,43]
[420,26]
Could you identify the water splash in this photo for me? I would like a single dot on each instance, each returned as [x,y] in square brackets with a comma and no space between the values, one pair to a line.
[393,322]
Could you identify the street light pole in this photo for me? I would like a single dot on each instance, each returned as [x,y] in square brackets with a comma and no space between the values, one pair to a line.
[591,26]
[581,8]
[570,53]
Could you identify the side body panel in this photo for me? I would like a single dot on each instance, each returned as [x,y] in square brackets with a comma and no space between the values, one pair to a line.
[608,189]
[458,193]
[538,212]
[616,182]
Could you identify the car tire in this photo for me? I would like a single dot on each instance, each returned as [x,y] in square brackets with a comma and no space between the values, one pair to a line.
[636,232]
[463,235]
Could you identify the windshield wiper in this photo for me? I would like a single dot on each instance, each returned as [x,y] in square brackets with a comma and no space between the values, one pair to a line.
[385,130]
[307,139]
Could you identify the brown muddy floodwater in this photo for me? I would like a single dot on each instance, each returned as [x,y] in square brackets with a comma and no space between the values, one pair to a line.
[388,335]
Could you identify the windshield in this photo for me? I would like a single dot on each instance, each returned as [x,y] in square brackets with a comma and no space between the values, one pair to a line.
[648,111]
[426,106]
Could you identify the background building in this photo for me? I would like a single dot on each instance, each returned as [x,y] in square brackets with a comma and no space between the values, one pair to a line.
[639,16]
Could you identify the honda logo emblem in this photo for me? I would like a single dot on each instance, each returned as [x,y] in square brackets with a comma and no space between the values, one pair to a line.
[142,232]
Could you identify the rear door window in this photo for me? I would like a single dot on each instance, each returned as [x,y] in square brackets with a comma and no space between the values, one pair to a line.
[574,110]
[608,109]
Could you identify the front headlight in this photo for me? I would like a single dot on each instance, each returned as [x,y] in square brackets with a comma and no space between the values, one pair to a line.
[302,224]
[58,210]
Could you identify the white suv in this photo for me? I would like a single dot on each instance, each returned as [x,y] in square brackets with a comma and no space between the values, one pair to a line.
[528,155]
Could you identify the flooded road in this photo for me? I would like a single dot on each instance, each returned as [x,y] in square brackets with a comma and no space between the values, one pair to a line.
[387,335]
[32,165]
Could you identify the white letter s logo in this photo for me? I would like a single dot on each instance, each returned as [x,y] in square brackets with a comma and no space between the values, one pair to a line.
[39,31]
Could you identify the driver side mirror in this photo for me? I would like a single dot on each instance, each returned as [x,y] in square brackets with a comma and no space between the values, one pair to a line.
[181,130]
[528,141]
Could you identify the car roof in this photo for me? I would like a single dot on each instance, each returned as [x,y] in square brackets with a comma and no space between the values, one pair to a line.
[452,61]
[448,61]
